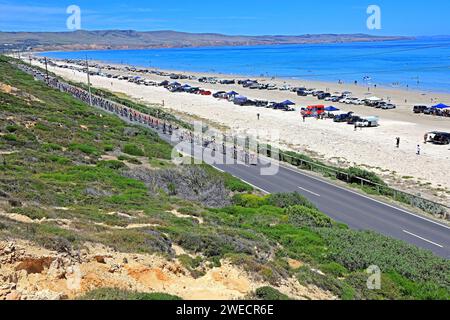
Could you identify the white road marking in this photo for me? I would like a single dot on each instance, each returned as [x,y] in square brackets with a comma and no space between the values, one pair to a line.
[429,241]
[369,198]
[250,184]
[316,194]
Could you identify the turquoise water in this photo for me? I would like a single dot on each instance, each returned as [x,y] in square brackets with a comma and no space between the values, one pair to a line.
[419,64]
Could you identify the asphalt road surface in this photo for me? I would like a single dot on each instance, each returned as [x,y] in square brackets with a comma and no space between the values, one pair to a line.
[355,209]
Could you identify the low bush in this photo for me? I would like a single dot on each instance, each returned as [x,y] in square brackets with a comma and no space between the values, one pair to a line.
[85,148]
[270,294]
[357,250]
[301,216]
[119,294]
[111,164]
[249,200]
[133,150]
[284,200]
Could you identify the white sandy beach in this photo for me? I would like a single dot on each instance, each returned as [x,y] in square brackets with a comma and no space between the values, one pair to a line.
[337,143]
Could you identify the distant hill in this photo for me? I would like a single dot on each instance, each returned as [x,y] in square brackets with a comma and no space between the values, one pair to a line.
[129,39]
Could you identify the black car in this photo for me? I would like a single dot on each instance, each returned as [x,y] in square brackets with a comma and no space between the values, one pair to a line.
[419,109]
[353,119]
[219,94]
[301,93]
[343,117]
[441,138]
[336,99]
[323,95]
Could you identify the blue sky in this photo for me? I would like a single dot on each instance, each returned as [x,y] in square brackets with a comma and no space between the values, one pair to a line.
[251,17]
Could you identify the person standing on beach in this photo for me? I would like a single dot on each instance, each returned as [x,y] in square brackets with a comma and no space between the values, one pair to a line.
[398,142]
[425,138]
[418,150]
[258,115]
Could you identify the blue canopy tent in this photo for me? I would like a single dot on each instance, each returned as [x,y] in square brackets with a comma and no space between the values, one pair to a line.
[232,93]
[331,109]
[288,103]
[440,106]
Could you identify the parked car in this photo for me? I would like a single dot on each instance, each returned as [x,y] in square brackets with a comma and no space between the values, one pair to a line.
[388,106]
[323,95]
[419,109]
[220,95]
[441,138]
[368,122]
[317,92]
[343,117]
[353,119]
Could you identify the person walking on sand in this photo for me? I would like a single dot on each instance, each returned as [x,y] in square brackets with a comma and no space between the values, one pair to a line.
[398,142]
[258,115]
[418,150]
[425,138]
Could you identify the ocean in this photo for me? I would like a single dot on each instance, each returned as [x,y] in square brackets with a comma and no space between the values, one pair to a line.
[415,64]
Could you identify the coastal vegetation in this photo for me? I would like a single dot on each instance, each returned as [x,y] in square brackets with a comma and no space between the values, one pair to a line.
[63,160]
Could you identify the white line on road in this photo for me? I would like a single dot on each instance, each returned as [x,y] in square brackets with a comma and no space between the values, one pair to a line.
[367,197]
[250,184]
[316,194]
[429,241]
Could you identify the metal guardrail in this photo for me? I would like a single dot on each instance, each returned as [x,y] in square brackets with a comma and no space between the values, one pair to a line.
[132,115]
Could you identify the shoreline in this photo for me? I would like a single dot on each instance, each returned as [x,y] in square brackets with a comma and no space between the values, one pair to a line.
[277,79]
[384,85]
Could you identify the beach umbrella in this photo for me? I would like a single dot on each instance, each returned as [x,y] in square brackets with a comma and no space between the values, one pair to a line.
[440,106]
[288,103]
[331,109]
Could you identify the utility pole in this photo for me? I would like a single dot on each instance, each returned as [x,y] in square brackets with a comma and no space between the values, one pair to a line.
[89,81]
[46,69]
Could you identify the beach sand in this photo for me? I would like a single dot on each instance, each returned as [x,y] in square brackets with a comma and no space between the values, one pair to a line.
[336,143]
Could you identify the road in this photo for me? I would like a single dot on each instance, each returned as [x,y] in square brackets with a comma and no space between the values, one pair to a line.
[355,209]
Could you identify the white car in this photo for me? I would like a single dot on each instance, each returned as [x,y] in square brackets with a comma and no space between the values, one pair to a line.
[388,106]
[351,100]
[358,102]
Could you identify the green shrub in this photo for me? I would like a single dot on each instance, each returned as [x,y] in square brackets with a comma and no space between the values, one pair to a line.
[236,185]
[306,217]
[111,164]
[108,147]
[361,173]
[249,200]
[334,269]
[133,150]
[357,250]
[284,200]
[12,128]
[51,147]
[59,160]
[270,294]
[10,137]
[85,148]
[119,294]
